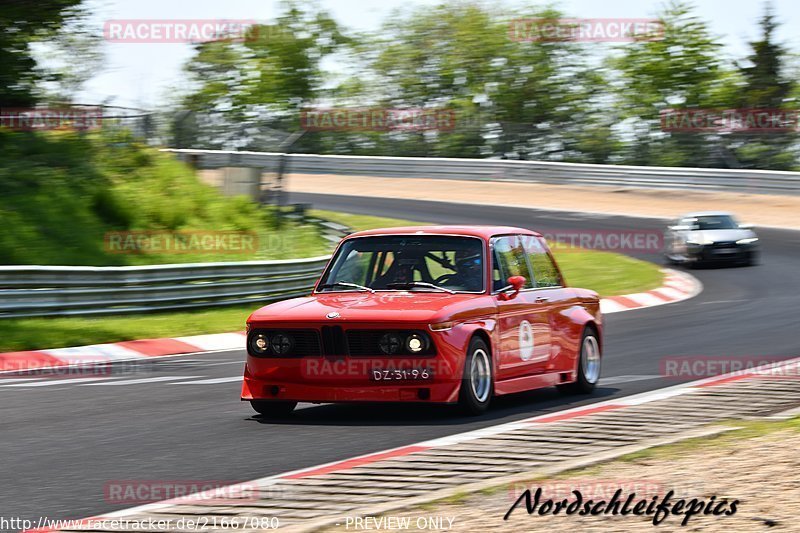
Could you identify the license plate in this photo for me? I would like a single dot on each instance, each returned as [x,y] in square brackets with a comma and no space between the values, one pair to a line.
[726,251]
[401,374]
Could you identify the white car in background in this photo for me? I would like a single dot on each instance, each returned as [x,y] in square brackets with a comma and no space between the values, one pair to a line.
[710,237]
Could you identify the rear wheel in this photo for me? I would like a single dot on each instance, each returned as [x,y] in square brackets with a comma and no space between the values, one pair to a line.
[272,408]
[477,383]
[588,365]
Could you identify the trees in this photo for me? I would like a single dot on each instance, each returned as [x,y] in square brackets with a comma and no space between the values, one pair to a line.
[552,99]
[247,93]
[765,85]
[683,70]
[23,23]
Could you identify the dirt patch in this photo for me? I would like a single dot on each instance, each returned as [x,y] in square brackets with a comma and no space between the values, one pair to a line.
[763,210]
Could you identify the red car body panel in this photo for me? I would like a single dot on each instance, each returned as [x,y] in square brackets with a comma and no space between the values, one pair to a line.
[557,317]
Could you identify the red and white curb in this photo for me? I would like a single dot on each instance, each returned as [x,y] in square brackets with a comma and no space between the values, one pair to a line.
[767,370]
[119,351]
[678,286]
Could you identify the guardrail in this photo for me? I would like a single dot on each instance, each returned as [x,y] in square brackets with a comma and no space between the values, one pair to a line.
[30,290]
[27,291]
[734,180]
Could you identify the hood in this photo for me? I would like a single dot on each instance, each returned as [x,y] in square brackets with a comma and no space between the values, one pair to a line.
[398,306]
[721,235]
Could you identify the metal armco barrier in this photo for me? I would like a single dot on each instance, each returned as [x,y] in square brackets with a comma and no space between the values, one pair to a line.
[65,290]
[751,181]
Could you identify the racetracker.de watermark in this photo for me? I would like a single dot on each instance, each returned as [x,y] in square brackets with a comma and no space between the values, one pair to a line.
[177,242]
[637,241]
[701,366]
[139,491]
[40,118]
[604,488]
[378,119]
[377,369]
[755,120]
[190,31]
[598,30]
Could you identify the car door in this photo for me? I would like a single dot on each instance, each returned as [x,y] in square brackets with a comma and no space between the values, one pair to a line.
[556,299]
[523,321]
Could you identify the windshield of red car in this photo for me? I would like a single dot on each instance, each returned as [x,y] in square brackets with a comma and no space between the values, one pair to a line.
[407,262]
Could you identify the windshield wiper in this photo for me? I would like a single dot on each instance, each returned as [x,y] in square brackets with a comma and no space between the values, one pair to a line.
[419,284]
[346,284]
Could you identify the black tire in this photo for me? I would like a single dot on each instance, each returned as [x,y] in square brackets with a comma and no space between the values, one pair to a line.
[583,385]
[471,402]
[273,409]
[752,259]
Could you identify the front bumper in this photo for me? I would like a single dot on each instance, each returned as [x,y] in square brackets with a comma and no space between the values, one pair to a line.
[349,379]
[721,253]
[363,378]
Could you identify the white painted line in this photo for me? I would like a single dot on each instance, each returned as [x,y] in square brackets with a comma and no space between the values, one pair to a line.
[17,380]
[142,380]
[211,381]
[54,382]
[65,364]
[723,302]
[648,397]
[627,379]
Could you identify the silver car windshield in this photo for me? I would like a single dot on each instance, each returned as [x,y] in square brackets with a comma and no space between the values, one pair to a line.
[712,222]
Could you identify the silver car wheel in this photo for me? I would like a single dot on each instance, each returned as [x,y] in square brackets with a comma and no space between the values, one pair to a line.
[480,375]
[590,359]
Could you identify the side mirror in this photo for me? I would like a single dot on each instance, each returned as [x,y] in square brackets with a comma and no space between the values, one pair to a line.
[510,291]
[746,226]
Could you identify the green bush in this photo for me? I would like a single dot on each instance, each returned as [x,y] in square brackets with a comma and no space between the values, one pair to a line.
[60,192]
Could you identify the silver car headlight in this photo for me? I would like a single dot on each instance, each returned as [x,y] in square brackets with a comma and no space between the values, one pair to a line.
[749,240]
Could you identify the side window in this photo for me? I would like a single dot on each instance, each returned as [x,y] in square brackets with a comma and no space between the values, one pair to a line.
[544,270]
[509,256]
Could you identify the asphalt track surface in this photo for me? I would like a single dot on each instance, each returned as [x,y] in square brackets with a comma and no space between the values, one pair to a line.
[63,441]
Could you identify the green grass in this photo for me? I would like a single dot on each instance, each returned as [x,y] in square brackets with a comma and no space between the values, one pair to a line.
[64,192]
[605,272]
[361,222]
[37,333]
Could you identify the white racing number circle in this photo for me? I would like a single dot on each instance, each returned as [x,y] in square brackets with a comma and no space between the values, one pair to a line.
[525,340]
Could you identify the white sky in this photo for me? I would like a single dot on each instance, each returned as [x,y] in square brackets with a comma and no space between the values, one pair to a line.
[142,75]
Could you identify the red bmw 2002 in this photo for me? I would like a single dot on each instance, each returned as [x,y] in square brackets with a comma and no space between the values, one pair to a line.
[433,314]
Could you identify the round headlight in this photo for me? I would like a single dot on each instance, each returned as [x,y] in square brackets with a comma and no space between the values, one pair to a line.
[259,344]
[390,343]
[416,343]
[281,344]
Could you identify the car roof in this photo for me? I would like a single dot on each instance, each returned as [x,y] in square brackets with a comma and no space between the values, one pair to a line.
[707,214]
[484,232]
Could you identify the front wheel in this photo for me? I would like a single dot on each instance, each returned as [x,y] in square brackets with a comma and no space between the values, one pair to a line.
[271,408]
[477,383]
[588,365]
